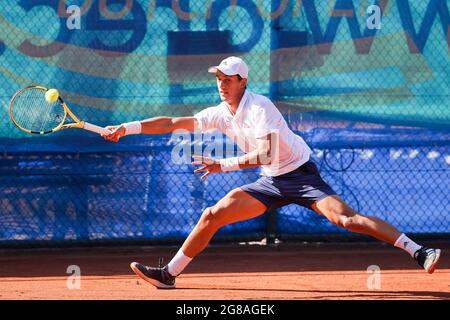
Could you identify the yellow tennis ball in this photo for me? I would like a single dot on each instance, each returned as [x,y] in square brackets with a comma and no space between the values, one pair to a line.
[51,95]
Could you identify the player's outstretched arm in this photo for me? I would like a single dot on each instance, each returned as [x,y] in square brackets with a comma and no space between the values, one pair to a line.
[157,125]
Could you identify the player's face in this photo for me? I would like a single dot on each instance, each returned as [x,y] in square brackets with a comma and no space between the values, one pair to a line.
[230,87]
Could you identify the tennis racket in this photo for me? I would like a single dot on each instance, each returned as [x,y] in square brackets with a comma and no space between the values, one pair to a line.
[30,112]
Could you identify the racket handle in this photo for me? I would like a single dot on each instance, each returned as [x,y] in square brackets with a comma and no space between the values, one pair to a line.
[96,129]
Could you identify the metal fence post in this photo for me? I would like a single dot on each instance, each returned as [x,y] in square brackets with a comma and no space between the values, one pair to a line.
[271,231]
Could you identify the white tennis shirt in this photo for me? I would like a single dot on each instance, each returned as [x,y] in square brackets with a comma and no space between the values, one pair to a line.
[257,117]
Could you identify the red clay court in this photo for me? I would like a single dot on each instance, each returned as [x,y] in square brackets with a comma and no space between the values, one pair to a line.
[282,272]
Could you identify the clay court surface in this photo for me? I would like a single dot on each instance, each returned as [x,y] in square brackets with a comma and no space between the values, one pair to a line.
[283,272]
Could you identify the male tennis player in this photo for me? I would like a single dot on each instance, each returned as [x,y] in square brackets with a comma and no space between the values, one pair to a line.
[288,174]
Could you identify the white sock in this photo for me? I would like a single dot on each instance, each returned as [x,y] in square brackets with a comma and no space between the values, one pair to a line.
[178,263]
[405,243]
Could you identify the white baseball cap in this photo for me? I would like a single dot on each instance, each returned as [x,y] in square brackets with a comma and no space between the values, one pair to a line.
[231,66]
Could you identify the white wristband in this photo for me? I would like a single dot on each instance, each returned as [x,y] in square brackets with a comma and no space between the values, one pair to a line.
[134,127]
[229,164]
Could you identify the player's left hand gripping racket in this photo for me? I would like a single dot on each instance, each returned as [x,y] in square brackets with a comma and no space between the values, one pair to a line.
[30,112]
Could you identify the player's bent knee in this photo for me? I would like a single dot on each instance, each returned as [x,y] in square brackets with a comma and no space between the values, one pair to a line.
[346,222]
[350,222]
[209,218]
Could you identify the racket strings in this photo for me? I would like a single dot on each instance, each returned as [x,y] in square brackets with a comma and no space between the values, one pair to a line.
[40,115]
[31,111]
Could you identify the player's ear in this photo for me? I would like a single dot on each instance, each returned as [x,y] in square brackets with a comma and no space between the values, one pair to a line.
[243,83]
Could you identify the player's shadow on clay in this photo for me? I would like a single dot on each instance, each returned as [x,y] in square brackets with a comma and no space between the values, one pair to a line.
[330,294]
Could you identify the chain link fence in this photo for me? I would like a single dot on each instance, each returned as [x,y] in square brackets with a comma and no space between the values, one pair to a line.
[368,93]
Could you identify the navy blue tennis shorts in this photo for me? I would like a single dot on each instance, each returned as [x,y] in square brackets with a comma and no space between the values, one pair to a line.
[302,186]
